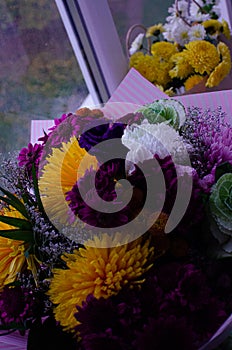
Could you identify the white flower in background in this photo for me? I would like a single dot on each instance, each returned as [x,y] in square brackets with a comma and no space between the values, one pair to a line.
[180,91]
[146,140]
[195,12]
[170,28]
[136,44]
[182,6]
[168,33]
[197,32]
[181,33]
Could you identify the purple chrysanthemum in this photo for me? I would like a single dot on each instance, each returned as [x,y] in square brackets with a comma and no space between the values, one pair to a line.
[30,156]
[104,310]
[192,287]
[102,341]
[98,187]
[166,333]
[16,305]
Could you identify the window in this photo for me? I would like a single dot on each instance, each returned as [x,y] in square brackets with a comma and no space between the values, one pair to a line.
[39,74]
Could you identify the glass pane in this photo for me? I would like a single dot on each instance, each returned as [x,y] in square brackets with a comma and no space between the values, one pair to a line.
[39,75]
[126,13]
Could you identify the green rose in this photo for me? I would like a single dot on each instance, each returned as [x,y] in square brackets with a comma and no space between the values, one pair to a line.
[169,111]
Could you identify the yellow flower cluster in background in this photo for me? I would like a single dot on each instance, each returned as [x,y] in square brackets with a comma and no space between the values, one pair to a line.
[184,52]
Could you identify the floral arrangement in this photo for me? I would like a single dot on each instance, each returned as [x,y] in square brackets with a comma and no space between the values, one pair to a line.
[192,48]
[94,263]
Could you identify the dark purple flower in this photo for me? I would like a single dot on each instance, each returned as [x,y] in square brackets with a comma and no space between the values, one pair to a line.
[208,318]
[165,334]
[30,156]
[102,341]
[192,289]
[101,132]
[105,311]
[16,305]
[95,189]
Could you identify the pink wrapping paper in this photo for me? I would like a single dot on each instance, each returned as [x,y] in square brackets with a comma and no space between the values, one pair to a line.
[136,89]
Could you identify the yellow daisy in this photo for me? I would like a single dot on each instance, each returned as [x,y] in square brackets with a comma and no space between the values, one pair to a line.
[12,260]
[223,68]
[192,81]
[182,68]
[145,65]
[11,251]
[212,26]
[99,271]
[155,30]
[64,167]
[202,55]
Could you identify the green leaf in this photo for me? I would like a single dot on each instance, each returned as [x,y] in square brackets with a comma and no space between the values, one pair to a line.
[14,202]
[16,222]
[18,235]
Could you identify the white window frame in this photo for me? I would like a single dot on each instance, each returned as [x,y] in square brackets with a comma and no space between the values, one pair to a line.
[96,44]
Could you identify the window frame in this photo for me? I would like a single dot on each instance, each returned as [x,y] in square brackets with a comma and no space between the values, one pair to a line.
[95,41]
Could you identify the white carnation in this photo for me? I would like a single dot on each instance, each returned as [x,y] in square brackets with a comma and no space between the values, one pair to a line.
[146,140]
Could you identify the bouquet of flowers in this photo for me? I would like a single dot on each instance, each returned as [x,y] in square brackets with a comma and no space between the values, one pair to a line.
[116,232]
[188,53]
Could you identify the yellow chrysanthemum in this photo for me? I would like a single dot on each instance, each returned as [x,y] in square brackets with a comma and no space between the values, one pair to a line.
[100,271]
[202,55]
[224,67]
[226,29]
[11,212]
[155,30]
[192,81]
[64,167]
[182,68]
[145,65]
[163,50]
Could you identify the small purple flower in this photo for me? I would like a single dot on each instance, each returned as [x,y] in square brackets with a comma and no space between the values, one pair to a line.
[30,156]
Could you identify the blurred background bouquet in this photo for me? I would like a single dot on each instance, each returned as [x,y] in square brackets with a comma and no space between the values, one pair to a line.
[137,275]
[190,52]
